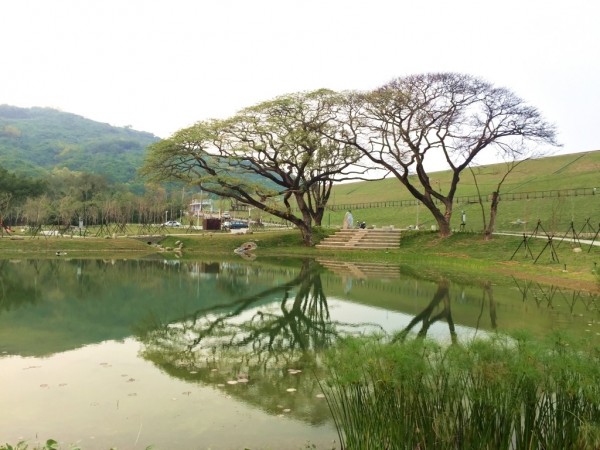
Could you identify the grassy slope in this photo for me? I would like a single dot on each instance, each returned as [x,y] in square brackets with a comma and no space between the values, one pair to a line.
[581,170]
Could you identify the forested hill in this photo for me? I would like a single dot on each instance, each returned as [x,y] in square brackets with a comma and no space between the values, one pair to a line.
[35,140]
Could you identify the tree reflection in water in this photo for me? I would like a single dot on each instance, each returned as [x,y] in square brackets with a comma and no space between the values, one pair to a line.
[13,293]
[259,349]
[550,296]
[428,317]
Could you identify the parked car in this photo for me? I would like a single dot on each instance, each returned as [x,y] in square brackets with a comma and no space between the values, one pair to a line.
[172,223]
[226,215]
[234,225]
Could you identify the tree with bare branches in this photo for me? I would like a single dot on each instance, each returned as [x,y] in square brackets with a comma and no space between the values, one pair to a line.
[489,223]
[281,156]
[440,121]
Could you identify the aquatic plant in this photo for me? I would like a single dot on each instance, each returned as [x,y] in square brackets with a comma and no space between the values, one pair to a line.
[498,393]
[50,444]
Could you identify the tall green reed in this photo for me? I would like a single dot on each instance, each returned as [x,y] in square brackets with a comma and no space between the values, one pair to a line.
[498,393]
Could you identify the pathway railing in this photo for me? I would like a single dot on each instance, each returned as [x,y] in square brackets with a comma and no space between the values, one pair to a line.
[465,199]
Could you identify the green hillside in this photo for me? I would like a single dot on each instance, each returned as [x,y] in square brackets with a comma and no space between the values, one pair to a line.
[35,140]
[546,176]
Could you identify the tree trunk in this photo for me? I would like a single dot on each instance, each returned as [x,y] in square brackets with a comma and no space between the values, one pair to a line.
[443,221]
[318,216]
[307,235]
[444,228]
[442,218]
[487,290]
[487,235]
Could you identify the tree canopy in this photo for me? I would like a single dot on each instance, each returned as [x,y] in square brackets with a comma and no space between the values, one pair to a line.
[19,187]
[281,156]
[448,118]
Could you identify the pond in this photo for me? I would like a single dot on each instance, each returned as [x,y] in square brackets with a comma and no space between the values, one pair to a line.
[222,354]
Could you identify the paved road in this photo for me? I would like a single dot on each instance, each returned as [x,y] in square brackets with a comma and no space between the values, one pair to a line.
[555,238]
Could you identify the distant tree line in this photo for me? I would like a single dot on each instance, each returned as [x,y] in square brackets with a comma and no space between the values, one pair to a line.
[65,197]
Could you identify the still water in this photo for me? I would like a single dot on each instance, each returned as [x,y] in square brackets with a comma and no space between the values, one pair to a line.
[221,355]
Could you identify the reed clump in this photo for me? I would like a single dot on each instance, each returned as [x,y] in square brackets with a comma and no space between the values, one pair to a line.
[494,393]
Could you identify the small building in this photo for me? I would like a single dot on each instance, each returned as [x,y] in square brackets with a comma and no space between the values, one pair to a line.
[198,207]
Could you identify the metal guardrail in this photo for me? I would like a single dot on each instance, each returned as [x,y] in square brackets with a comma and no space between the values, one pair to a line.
[510,196]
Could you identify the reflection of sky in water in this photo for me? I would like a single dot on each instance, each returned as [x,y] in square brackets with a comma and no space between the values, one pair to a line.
[391,322]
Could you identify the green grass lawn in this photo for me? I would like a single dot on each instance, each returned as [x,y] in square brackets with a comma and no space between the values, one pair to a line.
[572,171]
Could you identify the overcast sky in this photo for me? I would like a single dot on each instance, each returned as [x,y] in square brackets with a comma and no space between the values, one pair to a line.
[160,65]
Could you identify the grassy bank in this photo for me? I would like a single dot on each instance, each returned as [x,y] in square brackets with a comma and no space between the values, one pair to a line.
[50,247]
[463,255]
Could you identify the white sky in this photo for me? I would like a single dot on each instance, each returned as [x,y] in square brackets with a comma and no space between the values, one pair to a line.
[161,65]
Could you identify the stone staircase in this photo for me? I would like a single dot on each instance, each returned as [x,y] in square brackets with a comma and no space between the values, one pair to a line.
[372,239]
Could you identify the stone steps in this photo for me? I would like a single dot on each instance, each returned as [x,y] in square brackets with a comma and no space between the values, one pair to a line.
[379,239]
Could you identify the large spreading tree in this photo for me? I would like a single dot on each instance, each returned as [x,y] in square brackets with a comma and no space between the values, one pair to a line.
[281,156]
[440,120]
